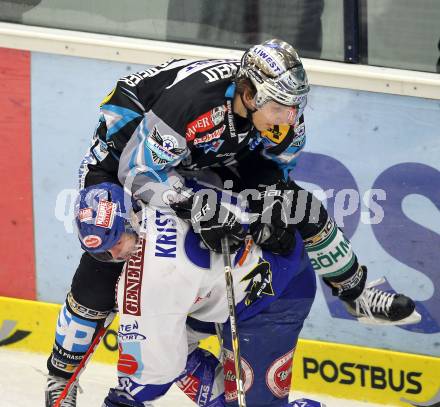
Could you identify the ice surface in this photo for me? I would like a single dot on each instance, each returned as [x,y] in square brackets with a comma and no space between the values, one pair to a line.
[22,382]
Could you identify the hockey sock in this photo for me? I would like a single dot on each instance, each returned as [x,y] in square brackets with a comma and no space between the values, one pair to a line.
[76,328]
[332,257]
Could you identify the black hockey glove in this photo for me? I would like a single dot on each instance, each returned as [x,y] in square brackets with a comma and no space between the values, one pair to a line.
[271,230]
[211,221]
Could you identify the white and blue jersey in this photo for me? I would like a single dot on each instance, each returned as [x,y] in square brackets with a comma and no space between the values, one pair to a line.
[172,275]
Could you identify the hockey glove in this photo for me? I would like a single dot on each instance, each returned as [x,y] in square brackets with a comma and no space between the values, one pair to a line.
[271,230]
[211,221]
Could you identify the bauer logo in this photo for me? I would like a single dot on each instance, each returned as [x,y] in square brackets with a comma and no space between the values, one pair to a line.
[133,280]
[398,380]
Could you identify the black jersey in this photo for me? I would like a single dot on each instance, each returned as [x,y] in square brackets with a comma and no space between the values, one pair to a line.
[177,116]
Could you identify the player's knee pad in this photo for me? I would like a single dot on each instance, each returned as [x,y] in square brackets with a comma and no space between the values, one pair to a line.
[75,330]
[332,257]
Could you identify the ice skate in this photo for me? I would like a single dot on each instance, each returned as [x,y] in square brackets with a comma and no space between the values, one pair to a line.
[375,306]
[55,386]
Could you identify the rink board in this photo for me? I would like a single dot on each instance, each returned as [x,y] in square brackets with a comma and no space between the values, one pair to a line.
[342,371]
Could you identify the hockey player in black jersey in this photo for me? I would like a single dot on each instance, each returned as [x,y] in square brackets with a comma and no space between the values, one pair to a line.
[161,128]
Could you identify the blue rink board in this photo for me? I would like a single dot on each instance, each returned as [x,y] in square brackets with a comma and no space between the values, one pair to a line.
[357,141]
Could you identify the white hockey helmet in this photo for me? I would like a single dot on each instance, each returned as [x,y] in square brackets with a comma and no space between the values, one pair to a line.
[276,71]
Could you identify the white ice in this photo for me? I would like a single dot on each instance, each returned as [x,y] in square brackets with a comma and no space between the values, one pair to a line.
[22,384]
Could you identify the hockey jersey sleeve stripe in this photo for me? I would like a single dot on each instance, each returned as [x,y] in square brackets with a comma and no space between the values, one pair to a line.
[116,117]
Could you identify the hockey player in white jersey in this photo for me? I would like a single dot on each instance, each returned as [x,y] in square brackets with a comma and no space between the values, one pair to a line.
[171,274]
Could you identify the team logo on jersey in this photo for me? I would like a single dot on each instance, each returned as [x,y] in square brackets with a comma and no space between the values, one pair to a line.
[260,282]
[164,149]
[277,134]
[210,136]
[105,214]
[279,375]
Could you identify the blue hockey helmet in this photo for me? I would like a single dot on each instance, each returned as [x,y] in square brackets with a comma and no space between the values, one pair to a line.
[101,214]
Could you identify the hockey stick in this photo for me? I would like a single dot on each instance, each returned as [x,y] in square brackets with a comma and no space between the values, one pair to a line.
[233,321]
[241,260]
[88,355]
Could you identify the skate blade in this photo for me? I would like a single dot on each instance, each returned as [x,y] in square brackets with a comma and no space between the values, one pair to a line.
[414,318]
